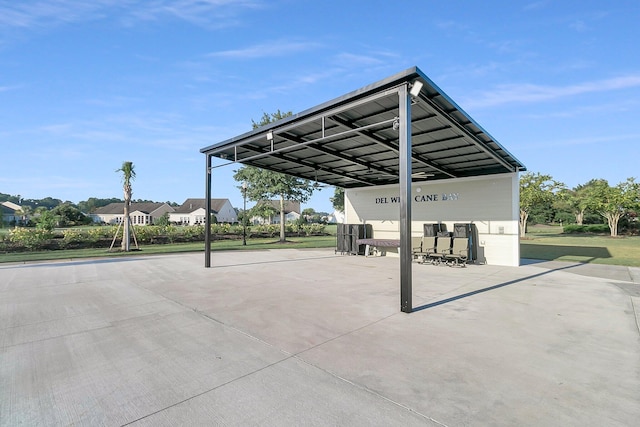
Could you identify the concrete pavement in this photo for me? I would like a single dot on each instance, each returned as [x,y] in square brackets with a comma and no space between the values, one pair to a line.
[305,337]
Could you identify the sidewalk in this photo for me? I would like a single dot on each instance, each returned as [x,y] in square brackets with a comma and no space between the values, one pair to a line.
[614,272]
[306,337]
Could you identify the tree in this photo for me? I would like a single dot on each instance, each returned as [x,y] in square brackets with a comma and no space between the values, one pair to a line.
[69,215]
[263,209]
[264,184]
[574,201]
[338,199]
[308,214]
[163,220]
[535,190]
[93,203]
[128,175]
[613,202]
[47,219]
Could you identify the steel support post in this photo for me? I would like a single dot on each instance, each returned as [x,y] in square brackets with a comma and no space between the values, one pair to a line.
[207,213]
[404,142]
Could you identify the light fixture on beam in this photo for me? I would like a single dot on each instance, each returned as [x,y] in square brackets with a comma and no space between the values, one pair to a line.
[416,87]
[421,175]
[270,136]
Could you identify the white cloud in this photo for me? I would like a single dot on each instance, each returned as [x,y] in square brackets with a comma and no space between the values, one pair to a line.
[51,13]
[610,140]
[265,50]
[48,13]
[579,26]
[536,5]
[531,93]
[353,59]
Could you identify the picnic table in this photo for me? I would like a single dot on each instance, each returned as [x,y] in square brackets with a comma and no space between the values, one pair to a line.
[378,243]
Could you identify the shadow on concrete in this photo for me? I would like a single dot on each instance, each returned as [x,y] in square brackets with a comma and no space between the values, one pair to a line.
[490,288]
[63,263]
[271,261]
[554,252]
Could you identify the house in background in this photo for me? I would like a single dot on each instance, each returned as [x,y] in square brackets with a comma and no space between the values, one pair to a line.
[336,217]
[193,212]
[11,213]
[144,213]
[291,212]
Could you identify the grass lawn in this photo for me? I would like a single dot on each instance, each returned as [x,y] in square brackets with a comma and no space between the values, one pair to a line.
[548,244]
[217,245]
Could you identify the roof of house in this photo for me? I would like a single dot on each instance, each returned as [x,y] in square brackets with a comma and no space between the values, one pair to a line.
[194,204]
[118,208]
[11,205]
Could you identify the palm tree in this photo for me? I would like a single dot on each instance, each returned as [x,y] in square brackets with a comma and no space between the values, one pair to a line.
[128,175]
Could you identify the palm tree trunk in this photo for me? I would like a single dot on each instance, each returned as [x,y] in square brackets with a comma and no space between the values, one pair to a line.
[283,238]
[126,231]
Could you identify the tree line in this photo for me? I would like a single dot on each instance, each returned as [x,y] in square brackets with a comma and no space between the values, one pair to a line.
[545,200]
[87,206]
[61,213]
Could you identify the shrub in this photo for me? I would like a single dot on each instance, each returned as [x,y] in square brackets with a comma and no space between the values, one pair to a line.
[97,233]
[30,238]
[171,232]
[147,233]
[313,229]
[589,228]
[71,237]
[237,229]
[193,233]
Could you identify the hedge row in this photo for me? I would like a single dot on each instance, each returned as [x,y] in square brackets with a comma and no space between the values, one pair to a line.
[22,239]
[589,228]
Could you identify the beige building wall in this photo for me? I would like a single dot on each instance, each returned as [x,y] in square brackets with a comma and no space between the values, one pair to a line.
[491,203]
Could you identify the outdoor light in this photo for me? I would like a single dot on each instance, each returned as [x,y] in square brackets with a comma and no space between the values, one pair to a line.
[421,175]
[270,136]
[416,87]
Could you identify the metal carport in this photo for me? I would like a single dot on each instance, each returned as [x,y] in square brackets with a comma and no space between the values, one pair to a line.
[399,130]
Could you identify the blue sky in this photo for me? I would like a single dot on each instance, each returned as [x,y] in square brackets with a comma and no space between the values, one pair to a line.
[86,85]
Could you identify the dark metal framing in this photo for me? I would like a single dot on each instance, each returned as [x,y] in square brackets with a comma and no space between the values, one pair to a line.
[377,135]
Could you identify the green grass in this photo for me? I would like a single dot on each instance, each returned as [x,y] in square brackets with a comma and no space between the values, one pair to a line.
[542,242]
[216,245]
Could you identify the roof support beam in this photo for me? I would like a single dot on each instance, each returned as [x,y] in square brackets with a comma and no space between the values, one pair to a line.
[391,146]
[284,157]
[404,141]
[336,153]
[473,138]
[291,123]
[304,143]
[207,210]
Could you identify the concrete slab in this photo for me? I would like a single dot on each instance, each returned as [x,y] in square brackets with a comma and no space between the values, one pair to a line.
[287,337]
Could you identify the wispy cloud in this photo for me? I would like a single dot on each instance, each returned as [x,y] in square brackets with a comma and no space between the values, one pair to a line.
[48,13]
[368,59]
[531,93]
[211,13]
[51,13]
[268,49]
[579,26]
[536,5]
[609,139]
[8,88]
